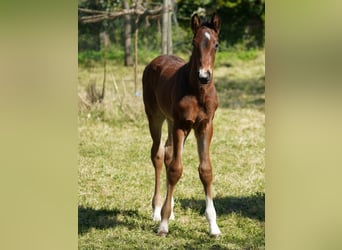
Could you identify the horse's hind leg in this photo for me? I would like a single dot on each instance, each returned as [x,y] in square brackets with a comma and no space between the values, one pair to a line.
[168,156]
[157,157]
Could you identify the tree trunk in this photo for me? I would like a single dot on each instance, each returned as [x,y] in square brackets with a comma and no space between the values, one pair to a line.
[169,28]
[127,36]
[136,52]
[105,44]
[166,28]
[104,39]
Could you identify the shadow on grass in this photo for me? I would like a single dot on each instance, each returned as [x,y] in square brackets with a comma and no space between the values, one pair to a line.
[249,206]
[103,218]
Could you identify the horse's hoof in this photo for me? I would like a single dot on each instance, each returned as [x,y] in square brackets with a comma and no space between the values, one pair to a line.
[214,231]
[215,235]
[162,234]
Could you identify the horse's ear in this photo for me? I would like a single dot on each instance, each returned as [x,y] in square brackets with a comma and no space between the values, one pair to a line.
[195,23]
[215,20]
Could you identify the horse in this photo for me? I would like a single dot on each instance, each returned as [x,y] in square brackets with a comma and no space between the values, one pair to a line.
[184,95]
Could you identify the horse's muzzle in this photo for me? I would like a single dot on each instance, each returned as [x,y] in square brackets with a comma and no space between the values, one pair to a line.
[204,76]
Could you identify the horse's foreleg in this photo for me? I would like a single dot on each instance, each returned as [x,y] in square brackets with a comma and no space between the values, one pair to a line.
[203,136]
[174,172]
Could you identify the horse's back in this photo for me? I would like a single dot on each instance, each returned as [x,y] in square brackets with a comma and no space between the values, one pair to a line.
[163,68]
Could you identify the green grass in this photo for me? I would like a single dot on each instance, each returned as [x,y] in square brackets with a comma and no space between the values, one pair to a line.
[116,177]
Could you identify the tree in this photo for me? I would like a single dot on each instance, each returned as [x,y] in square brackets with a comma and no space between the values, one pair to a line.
[96,16]
[127,36]
[167,28]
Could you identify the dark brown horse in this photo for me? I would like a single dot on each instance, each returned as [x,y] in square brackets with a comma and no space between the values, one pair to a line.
[184,95]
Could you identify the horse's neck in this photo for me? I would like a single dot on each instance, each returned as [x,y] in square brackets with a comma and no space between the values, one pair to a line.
[192,68]
[192,74]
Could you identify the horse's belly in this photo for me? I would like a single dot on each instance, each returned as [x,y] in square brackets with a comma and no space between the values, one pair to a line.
[165,105]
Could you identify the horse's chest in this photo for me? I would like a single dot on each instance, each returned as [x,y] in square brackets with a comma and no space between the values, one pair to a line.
[191,113]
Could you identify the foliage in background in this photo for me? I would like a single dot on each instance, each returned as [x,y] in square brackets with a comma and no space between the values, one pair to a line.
[88,34]
[242,24]
[242,20]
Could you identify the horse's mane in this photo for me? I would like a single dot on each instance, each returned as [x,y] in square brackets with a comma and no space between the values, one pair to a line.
[207,24]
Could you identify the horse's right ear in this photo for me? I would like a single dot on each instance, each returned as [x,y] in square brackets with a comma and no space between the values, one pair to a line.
[215,20]
[195,23]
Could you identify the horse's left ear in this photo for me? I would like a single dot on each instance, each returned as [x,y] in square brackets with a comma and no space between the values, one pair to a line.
[195,23]
[215,20]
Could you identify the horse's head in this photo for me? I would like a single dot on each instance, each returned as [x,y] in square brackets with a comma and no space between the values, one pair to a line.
[205,44]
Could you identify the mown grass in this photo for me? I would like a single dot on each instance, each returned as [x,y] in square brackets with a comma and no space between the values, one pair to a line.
[116,176]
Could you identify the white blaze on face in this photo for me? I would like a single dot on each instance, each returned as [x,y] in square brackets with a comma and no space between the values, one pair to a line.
[207,35]
[203,73]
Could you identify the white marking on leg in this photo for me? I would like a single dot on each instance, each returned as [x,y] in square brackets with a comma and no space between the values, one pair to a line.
[156,216]
[210,214]
[172,215]
[163,227]
[207,35]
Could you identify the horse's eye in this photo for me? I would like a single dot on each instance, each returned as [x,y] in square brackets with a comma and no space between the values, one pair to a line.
[216,45]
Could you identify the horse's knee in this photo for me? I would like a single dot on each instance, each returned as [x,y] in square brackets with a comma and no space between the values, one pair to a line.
[168,156]
[174,172]
[205,173]
[157,154]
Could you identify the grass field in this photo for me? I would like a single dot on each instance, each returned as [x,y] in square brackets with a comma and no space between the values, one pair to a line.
[116,177]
